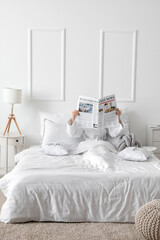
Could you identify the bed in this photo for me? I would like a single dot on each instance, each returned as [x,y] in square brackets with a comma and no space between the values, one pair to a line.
[72,189]
[95,185]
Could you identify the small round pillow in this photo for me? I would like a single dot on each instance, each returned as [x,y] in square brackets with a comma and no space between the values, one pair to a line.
[148,220]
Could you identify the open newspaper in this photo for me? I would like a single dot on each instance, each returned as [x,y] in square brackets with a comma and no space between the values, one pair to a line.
[95,113]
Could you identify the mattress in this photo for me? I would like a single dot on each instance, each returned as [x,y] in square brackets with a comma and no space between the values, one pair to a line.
[73,189]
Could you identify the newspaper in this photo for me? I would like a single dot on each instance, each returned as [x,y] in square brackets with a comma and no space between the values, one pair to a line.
[97,113]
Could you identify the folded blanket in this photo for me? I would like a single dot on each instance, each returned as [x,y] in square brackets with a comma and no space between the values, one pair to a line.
[123,141]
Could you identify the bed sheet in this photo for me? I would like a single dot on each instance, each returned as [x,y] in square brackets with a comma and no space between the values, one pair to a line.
[72,189]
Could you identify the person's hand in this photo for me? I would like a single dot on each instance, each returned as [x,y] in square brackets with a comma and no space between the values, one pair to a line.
[75,113]
[118,112]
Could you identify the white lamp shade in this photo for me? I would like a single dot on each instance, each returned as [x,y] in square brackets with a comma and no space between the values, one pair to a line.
[11,95]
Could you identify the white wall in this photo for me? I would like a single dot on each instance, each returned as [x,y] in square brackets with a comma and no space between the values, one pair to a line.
[82,21]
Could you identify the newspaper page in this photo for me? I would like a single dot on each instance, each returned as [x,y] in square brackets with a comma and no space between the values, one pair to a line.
[88,112]
[107,112]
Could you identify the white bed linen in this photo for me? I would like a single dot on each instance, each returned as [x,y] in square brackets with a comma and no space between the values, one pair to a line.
[73,189]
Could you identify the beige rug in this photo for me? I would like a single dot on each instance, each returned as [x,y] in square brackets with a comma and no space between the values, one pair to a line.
[67,231]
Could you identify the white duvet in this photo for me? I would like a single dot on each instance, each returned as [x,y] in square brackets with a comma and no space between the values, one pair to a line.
[94,186]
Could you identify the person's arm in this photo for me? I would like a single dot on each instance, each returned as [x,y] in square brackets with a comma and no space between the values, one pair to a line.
[72,128]
[118,112]
[75,113]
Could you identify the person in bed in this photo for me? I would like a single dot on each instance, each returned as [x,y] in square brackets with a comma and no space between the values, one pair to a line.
[90,133]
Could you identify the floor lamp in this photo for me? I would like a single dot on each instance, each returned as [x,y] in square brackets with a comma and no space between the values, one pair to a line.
[12,96]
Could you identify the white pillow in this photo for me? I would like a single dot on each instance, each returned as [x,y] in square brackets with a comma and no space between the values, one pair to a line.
[150,148]
[134,154]
[55,149]
[56,133]
[61,118]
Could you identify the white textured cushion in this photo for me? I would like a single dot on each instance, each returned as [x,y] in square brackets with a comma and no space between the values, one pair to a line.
[134,154]
[56,133]
[147,220]
[55,149]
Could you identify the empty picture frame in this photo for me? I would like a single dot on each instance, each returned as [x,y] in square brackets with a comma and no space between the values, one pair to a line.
[46,64]
[118,64]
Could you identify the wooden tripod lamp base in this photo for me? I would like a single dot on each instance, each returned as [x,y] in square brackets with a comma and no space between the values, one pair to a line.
[7,128]
[12,96]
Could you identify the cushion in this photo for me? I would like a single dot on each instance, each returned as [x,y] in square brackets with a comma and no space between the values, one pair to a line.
[148,220]
[123,141]
[56,133]
[134,154]
[150,148]
[55,149]
[61,118]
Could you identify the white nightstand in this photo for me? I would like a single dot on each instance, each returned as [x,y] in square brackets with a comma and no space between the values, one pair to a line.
[153,138]
[13,139]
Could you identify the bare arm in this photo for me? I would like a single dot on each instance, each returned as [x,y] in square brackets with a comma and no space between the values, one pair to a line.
[75,113]
[72,129]
[118,112]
